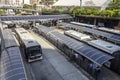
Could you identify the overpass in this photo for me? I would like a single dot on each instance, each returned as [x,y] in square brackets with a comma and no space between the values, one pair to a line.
[34,17]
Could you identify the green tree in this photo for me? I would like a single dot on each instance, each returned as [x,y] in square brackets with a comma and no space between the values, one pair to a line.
[116,13]
[77,11]
[87,11]
[27,6]
[2,12]
[34,6]
[47,2]
[115,4]
[107,13]
[46,11]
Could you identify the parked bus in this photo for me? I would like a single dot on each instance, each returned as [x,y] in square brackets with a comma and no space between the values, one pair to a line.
[30,47]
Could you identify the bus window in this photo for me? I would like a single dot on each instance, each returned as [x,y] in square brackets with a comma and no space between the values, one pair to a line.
[35,53]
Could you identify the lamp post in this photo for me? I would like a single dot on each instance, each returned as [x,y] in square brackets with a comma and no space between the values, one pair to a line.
[80,3]
[23,1]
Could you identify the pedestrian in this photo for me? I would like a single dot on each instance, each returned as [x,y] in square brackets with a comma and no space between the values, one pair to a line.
[76,56]
[91,68]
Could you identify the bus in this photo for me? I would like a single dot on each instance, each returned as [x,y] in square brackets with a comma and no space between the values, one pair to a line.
[10,12]
[10,24]
[30,47]
[25,13]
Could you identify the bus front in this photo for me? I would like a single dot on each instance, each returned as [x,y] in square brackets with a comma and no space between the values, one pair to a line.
[34,53]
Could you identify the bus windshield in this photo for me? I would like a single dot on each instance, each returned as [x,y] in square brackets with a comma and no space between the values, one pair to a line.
[34,52]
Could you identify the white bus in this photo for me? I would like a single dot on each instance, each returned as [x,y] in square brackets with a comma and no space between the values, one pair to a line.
[10,12]
[29,45]
[77,35]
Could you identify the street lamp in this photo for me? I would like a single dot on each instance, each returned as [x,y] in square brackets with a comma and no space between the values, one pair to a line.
[23,1]
[80,3]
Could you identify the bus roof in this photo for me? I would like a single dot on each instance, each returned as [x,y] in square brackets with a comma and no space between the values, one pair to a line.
[83,24]
[77,35]
[26,37]
[105,46]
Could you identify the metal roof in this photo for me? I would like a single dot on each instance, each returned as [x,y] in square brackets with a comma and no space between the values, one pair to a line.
[32,17]
[9,38]
[12,67]
[110,30]
[105,46]
[94,55]
[109,36]
[98,28]
[77,35]
[83,24]
[46,30]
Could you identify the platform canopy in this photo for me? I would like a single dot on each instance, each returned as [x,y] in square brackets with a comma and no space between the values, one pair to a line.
[109,36]
[34,17]
[11,65]
[94,55]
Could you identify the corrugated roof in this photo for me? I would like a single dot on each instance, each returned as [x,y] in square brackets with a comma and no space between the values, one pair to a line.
[96,56]
[9,37]
[12,67]
[32,17]
[109,36]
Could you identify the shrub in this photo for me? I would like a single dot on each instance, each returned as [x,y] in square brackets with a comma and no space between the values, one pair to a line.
[2,12]
[107,13]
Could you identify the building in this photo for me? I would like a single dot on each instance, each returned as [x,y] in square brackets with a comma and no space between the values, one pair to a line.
[34,1]
[41,5]
[6,2]
[11,2]
[100,4]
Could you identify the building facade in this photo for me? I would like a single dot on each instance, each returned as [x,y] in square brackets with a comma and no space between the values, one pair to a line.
[11,2]
[100,4]
[34,1]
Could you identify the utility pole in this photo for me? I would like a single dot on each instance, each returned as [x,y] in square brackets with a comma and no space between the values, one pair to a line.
[6,2]
[23,1]
[80,3]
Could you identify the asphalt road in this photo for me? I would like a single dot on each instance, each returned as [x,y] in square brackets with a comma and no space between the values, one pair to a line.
[54,66]
[105,74]
[43,70]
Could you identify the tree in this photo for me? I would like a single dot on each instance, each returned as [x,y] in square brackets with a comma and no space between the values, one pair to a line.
[34,6]
[115,4]
[77,11]
[86,11]
[107,13]
[47,2]
[27,6]
[2,12]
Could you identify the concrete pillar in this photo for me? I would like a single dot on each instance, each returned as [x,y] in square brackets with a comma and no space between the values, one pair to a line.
[95,21]
[119,23]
